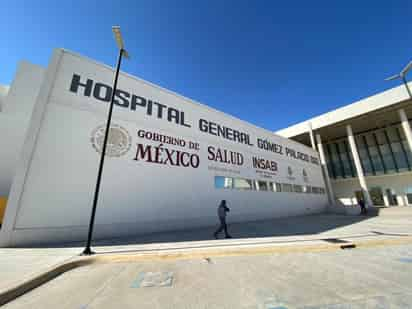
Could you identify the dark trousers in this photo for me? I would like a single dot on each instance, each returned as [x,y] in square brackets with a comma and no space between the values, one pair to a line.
[223,226]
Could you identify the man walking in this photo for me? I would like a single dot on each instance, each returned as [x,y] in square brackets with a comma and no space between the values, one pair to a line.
[362,207]
[221,212]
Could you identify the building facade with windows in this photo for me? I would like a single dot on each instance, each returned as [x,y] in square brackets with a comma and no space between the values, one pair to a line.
[365,148]
[169,162]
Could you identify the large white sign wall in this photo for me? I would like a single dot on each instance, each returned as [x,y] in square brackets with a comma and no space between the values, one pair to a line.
[164,152]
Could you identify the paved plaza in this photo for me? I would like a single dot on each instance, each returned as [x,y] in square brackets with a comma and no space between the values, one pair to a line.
[356,278]
[363,277]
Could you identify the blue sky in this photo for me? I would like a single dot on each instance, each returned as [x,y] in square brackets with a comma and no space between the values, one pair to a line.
[272,63]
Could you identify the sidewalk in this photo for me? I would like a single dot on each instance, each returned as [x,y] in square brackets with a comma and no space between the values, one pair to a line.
[21,264]
[18,265]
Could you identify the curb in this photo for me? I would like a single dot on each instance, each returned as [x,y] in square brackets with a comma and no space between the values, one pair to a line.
[183,254]
[30,284]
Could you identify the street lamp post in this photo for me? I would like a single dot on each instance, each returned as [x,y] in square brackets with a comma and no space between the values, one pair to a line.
[402,76]
[122,52]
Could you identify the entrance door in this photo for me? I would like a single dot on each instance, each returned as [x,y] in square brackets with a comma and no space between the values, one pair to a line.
[376,196]
[393,201]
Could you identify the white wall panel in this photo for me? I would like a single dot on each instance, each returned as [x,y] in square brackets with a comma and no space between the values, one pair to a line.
[53,203]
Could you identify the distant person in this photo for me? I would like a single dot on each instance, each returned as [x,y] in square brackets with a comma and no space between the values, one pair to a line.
[221,212]
[362,207]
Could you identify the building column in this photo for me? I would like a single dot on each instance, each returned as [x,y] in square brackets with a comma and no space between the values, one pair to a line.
[406,127]
[312,138]
[329,189]
[385,199]
[400,200]
[358,166]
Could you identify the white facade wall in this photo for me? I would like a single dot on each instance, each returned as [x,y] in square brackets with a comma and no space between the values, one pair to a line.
[15,115]
[51,196]
[24,89]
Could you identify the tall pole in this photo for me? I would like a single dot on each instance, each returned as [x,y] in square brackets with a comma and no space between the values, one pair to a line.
[402,76]
[88,250]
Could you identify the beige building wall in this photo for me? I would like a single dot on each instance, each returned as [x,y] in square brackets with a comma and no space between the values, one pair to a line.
[398,183]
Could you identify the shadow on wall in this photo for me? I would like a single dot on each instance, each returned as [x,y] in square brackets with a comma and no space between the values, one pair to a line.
[290,226]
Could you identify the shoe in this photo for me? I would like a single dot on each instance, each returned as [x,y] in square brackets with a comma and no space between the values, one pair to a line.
[228,236]
[214,234]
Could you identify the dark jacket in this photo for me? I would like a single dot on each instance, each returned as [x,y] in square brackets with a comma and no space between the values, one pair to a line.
[222,210]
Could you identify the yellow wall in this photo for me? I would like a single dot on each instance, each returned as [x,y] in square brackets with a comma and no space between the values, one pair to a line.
[3,202]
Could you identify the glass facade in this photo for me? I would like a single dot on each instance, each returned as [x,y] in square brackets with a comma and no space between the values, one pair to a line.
[223,182]
[382,151]
[297,188]
[262,185]
[408,193]
[243,184]
[339,160]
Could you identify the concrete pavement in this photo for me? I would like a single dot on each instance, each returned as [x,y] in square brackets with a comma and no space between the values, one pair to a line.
[18,265]
[358,278]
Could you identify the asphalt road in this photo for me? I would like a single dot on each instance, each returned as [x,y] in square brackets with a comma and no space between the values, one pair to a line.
[352,278]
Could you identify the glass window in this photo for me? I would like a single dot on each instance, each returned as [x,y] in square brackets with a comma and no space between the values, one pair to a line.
[363,154]
[407,149]
[376,159]
[243,184]
[344,157]
[322,190]
[329,164]
[297,188]
[399,156]
[315,190]
[386,152]
[222,182]
[376,163]
[387,158]
[408,192]
[349,153]
[287,187]
[262,185]
[392,198]
[376,196]
[307,189]
[334,160]
[405,144]
[399,151]
[392,135]
[275,187]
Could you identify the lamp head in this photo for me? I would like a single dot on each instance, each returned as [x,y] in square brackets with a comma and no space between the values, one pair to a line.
[118,37]
[119,40]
